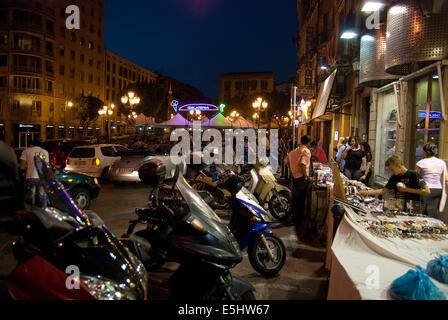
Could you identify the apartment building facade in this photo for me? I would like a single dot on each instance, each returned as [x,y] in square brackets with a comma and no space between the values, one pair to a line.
[44,66]
[232,85]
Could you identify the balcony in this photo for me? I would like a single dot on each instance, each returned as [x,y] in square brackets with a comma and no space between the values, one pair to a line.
[27,26]
[32,50]
[27,90]
[27,69]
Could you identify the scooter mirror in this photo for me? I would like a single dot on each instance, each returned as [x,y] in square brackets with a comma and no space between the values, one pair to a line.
[215,176]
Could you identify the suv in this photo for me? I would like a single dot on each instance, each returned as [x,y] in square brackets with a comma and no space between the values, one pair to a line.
[94,160]
[60,149]
[81,188]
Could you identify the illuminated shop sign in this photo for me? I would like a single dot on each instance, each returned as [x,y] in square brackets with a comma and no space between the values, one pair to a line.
[61,127]
[201,107]
[432,114]
[26,126]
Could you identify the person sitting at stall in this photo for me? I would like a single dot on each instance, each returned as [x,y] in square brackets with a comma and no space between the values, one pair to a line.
[407,184]
[317,153]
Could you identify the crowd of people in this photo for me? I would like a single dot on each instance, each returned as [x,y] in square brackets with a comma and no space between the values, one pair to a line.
[426,185]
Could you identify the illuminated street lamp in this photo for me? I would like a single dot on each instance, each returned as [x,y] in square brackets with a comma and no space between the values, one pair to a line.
[68,104]
[258,105]
[130,98]
[107,110]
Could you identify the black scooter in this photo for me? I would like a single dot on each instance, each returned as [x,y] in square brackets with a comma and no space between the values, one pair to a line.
[181,227]
[65,254]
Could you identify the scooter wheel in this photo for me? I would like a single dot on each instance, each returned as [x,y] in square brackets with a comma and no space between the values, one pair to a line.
[259,257]
[280,206]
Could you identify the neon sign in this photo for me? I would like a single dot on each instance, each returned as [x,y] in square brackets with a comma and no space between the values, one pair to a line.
[175,105]
[432,114]
[201,107]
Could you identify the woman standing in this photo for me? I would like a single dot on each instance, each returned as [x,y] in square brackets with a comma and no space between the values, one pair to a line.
[353,159]
[366,166]
[433,171]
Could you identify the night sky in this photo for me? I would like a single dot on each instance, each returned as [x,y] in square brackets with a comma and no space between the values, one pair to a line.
[197,40]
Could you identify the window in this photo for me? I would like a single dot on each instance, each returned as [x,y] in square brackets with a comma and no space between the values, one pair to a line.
[15,106]
[92,28]
[122,149]
[49,67]
[91,45]
[50,26]
[113,82]
[120,72]
[3,82]
[119,83]
[100,33]
[73,55]
[83,41]
[82,75]
[49,48]
[264,84]
[246,85]
[91,62]
[82,153]
[107,80]
[92,12]
[108,151]
[113,68]
[3,39]
[90,78]
[108,66]
[62,51]
[3,60]
[61,70]
[81,58]
[227,85]
[107,94]
[26,17]
[427,114]
[50,86]
[387,129]
[238,85]
[98,65]
[254,84]
[3,16]
[26,42]
[28,62]
[72,73]
[36,107]
[62,32]
[73,36]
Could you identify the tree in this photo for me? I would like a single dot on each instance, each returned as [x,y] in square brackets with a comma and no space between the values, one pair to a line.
[86,109]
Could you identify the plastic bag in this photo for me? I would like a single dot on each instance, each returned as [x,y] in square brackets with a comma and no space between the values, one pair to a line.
[415,285]
[438,268]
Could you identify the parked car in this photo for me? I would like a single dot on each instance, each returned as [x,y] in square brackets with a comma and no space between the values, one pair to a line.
[60,149]
[126,169]
[94,160]
[81,188]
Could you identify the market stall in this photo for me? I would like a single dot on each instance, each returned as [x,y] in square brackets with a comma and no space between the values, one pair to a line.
[377,241]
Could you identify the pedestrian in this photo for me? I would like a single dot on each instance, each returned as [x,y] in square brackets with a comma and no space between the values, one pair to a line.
[407,184]
[299,160]
[33,185]
[353,159]
[341,143]
[433,170]
[339,159]
[317,153]
[366,166]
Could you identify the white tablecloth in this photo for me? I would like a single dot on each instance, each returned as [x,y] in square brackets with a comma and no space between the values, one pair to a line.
[356,252]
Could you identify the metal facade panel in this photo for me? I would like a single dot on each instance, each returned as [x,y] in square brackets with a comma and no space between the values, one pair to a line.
[414,40]
[372,71]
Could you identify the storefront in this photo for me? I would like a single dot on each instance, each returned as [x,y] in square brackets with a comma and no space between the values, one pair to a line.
[25,133]
[49,132]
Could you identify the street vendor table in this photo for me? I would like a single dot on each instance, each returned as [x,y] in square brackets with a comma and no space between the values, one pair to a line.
[356,254]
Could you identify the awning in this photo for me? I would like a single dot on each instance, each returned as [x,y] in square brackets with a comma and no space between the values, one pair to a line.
[324,96]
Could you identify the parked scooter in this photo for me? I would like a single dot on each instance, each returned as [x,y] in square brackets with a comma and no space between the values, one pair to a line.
[181,227]
[249,223]
[57,241]
[264,186]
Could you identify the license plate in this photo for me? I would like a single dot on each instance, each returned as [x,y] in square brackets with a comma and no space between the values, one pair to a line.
[81,163]
[125,170]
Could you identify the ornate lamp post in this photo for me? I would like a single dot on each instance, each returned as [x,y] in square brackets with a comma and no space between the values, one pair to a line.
[258,105]
[107,110]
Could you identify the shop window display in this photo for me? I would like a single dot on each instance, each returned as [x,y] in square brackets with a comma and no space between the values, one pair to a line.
[387,128]
[427,113]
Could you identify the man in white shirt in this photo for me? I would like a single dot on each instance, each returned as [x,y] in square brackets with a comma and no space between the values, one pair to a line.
[32,182]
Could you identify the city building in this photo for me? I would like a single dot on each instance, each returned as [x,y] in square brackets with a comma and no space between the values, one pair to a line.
[243,84]
[44,66]
[119,74]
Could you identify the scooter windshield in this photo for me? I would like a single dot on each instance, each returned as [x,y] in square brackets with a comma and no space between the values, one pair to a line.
[58,197]
[194,200]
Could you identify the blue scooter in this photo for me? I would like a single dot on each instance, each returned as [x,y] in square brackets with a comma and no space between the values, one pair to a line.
[249,223]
